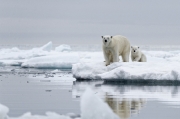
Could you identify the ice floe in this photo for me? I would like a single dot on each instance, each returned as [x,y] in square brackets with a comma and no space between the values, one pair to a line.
[158,67]
[62,60]
[49,115]
[63,48]
[161,65]
[42,57]
[131,70]
[3,111]
[92,107]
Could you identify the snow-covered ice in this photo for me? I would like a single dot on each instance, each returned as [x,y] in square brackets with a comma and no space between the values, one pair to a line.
[42,57]
[17,54]
[63,48]
[117,71]
[92,107]
[49,115]
[3,111]
[161,65]
[62,60]
[47,47]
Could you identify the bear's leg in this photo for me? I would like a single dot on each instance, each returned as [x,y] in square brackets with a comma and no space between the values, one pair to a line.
[106,57]
[143,58]
[137,59]
[125,57]
[132,58]
[110,57]
[115,56]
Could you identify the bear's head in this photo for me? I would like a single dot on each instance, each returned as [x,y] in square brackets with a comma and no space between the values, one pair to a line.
[106,40]
[134,49]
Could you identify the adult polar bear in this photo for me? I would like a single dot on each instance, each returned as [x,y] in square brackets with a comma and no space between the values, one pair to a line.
[115,46]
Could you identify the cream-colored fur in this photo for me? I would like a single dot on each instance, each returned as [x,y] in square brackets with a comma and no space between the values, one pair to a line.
[115,46]
[137,55]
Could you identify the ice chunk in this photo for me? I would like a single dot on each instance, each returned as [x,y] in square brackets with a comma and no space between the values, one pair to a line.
[56,71]
[47,47]
[158,70]
[16,54]
[62,61]
[3,111]
[88,70]
[11,62]
[62,48]
[92,107]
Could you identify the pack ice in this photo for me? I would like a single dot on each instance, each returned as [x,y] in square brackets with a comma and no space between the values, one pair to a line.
[42,57]
[92,107]
[161,65]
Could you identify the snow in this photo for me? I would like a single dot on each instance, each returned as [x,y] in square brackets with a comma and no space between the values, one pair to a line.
[62,48]
[17,54]
[3,111]
[62,60]
[160,66]
[42,57]
[92,107]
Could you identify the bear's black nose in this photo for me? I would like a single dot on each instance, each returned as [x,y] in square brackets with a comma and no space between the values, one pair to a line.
[105,41]
[134,51]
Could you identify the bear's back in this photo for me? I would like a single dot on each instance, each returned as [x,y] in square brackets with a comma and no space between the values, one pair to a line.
[121,40]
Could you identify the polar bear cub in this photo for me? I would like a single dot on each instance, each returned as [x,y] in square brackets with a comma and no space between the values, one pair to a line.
[115,46]
[137,55]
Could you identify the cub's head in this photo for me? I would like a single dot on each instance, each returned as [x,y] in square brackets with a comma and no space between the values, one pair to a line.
[134,49]
[106,40]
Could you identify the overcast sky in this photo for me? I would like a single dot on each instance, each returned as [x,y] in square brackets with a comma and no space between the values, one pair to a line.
[144,22]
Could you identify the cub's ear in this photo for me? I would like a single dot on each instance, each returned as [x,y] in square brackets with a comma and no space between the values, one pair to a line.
[138,47]
[102,36]
[131,46]
[111,36]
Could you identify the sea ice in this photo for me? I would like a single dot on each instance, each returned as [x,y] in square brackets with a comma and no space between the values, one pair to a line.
[62,60]
[17,54]
[47,47]
[158,67]
[131,70]
[49,115]
[3,111]
[42,57]
[92,107]
[62,48]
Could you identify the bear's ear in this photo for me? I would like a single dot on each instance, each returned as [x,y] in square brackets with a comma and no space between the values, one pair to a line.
[111,36]
[138,47]
[102,36]
[131,46]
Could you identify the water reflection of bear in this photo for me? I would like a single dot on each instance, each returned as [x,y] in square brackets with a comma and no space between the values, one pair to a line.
[124,108]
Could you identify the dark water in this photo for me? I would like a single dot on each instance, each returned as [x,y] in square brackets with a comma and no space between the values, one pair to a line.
[60,92]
